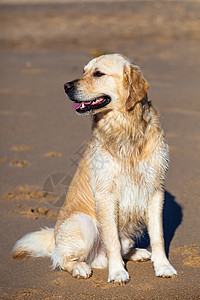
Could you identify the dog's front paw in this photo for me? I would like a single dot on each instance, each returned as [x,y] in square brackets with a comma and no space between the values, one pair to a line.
[120,276]
[165,270]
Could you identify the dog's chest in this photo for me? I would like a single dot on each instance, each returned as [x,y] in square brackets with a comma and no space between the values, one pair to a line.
[128,180]
[136,186]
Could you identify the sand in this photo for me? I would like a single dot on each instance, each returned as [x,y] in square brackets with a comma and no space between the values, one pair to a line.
[43,45]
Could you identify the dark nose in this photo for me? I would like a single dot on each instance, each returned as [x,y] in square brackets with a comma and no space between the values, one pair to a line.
[69,86]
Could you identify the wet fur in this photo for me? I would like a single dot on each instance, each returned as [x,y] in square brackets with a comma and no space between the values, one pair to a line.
[118,188]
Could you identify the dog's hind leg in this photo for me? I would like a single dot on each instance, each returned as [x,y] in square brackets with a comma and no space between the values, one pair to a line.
[134,254]
[138,254]
[76,237]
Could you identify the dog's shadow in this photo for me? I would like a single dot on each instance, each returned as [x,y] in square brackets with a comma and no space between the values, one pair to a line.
[172,218]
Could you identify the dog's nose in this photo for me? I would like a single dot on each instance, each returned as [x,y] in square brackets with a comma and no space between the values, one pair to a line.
[68,86]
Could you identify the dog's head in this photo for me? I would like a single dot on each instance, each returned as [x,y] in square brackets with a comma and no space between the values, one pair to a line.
[109,82]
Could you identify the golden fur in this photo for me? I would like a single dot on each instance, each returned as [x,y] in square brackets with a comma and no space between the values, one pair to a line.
[118,187]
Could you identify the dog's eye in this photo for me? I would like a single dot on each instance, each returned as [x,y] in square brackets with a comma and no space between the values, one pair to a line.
[98,74]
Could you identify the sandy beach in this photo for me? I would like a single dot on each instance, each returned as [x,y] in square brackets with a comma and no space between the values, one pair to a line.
[44,44]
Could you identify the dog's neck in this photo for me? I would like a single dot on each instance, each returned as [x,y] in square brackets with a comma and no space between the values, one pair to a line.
[115,129]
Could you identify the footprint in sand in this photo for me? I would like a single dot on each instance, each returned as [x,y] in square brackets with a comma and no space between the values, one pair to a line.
[29,192]
[21,148]
[191,255]
[19,163]
[53,154]
[22,294]
[34,212]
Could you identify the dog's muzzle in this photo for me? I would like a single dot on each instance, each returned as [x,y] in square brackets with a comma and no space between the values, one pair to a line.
[85,106]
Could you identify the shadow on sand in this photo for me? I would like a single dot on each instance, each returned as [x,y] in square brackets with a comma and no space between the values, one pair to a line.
[172,217]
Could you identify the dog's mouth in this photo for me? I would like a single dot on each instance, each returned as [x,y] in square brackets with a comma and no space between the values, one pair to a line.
[87,106]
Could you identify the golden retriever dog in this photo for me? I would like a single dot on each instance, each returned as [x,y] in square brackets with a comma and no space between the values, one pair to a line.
[118,188]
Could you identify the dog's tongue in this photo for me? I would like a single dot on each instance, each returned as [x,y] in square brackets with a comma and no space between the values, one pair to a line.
[77,105]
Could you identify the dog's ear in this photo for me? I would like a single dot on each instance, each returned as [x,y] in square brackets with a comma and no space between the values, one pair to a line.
[136,84]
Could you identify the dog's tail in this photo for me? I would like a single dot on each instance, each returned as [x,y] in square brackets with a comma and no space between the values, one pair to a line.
[37,244]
